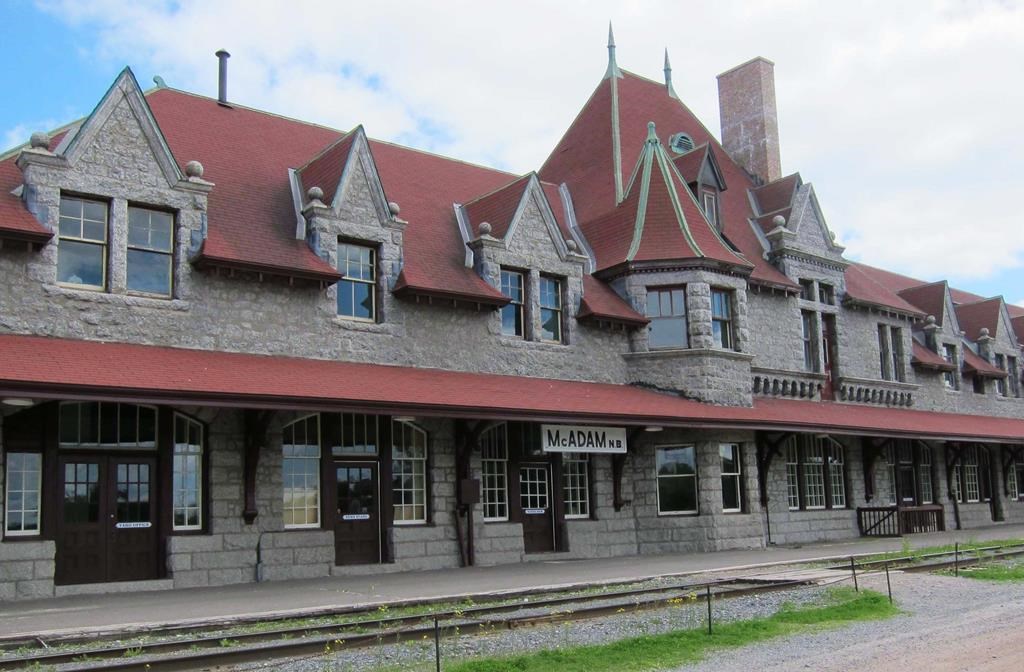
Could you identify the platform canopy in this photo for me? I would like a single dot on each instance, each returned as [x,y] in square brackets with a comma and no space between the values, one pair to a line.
[41,368]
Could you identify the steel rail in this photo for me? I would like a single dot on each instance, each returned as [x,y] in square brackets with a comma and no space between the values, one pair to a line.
[290,642]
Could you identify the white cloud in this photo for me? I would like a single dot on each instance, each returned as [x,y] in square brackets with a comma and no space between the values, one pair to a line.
[903,115]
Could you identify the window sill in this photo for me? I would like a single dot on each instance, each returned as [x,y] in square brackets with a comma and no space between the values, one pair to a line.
[679,514]
[365,326]
[517,342]
[668,353]
[136,300]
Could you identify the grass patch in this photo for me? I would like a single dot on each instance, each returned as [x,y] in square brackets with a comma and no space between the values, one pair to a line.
[1001,573]
[689,646]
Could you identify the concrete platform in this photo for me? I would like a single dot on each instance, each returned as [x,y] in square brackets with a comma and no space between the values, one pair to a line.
[125,612]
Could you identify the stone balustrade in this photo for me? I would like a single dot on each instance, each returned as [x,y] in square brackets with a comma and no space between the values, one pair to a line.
[878,392]
[781,383]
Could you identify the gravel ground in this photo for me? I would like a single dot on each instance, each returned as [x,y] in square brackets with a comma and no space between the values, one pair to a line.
[420,655]
[950,624]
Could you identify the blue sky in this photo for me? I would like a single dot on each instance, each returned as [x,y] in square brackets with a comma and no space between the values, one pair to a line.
[905,127]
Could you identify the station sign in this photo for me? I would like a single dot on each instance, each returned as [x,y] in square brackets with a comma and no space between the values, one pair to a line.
[582,439]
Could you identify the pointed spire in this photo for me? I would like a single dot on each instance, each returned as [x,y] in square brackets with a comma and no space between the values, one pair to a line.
[613,67]
[668,76]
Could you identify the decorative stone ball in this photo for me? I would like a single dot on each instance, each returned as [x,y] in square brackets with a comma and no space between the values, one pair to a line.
[39,140]
[315,194]
[779,220]
[570,244]
[930,320]
[485,228]
[984,332]
[194,169]
[393,208]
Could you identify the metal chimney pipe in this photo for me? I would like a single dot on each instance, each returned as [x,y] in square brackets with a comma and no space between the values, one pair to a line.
[222,82]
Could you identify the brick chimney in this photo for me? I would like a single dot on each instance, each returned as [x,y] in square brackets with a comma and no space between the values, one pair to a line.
[750,126]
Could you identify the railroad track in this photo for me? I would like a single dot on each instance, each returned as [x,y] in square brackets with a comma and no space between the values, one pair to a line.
[930,562]
[206,651]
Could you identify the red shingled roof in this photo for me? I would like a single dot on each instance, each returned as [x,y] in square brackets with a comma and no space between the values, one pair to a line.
[246,154]
[600,302]
[583,160]
[425,186]
[614,236]
[16,222]
[973,317]
[863,287]
[975,364]
[325,170]
[1018,327]
[691,163]
[923,356]
[778,194]
[931,299]
[497,207]
[43,367]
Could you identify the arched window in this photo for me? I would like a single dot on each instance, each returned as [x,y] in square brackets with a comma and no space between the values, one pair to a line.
[409,473]
[187,484]
[300,468]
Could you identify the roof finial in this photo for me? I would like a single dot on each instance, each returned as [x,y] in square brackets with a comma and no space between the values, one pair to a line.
[652,135]
[668,76]
[613,67]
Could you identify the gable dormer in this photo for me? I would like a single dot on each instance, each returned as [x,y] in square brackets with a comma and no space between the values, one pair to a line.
[127,218]
[702,174]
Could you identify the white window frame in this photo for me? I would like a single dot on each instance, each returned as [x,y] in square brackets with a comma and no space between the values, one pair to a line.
[835,455]
[924,475]
[494,456]
[710,200]
[168,253]
[885,352]
[793,474]
[1002,388]
[809,320]
[726,320]
[576,485]
[419,470]
[672,315]
[552,307]
[734,475]
[188,452]
[695,476]
[967,476]
[517,305]
[22,532]
[81,239]
[814,475]
[899,374]
[343,267]
[305,460]
[950,378]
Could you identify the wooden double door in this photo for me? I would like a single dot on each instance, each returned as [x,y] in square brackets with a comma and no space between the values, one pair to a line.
[107,519]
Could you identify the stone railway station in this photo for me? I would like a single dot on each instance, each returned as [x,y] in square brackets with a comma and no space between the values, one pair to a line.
[236,347]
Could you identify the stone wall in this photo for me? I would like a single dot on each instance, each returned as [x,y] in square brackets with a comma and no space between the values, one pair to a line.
[26,569]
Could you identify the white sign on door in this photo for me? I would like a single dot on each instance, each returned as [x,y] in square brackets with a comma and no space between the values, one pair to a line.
[582,439]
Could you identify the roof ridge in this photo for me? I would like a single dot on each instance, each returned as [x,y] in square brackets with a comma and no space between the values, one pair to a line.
[525,176]
[330,146]
[427,152]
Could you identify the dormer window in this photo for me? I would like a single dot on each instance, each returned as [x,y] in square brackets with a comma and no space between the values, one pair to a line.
[550,309]
[826,294]
[807,289]
[150,251]
[710,203]
[512,314]
[950,378]
[357,290]
[82,243]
